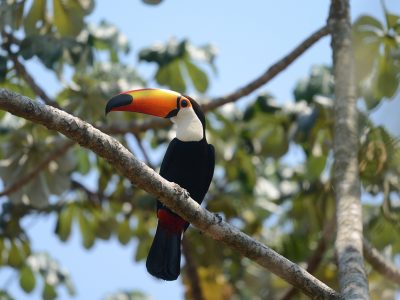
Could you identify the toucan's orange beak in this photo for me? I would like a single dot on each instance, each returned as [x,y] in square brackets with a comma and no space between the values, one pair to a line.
[155,102]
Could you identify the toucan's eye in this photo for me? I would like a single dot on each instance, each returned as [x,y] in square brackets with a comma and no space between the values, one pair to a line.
[184,103]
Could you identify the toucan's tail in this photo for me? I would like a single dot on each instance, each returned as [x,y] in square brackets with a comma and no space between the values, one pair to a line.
[164,259]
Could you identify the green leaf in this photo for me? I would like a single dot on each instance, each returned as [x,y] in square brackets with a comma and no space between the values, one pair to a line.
[315,165]
[386,79]
[170,75]
[26,248]
[87,231]
[275,141]
[64,222]
[49,292]
[197,76]
[370,100]
[27,279]
[35,14]
[142,249]
[367,38]
[173,56]
[13,227]
[392,20]
[83,161]
[368,22]
[124,232]
[15,258]
[103,227]
[68,17]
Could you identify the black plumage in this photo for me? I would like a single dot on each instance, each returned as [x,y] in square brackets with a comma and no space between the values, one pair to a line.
[191,165]
[189,162]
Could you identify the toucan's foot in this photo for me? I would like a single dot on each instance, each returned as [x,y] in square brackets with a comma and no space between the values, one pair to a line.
[181,190]
[219,218]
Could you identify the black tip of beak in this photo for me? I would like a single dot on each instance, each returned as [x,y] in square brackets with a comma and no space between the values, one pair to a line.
[117,101]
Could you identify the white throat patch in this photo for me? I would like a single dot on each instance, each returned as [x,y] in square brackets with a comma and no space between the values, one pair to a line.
[188,126]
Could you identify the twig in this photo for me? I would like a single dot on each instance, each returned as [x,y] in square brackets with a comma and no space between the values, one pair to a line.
[270,73]
[191,270]
[317,255]
[147,160]
[167,192]
[12,277]
[40,167]
[95,198]
[22,72]
[380,263]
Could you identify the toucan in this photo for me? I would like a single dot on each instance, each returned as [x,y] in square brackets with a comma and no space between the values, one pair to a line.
[189,161]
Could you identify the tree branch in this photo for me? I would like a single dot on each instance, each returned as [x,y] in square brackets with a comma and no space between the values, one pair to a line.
[352,277]
[380,263]
[168,193]
[245,90]
[61,150]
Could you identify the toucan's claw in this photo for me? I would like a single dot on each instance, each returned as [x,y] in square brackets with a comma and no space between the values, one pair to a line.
[219,218]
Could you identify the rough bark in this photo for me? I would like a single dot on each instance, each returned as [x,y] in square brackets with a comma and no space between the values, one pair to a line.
[168,193]
[352,278]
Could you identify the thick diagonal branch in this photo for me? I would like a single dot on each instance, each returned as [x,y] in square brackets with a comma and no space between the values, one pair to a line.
[349,240]
[168,193]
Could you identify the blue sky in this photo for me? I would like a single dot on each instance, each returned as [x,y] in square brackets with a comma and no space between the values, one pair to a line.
[250,36]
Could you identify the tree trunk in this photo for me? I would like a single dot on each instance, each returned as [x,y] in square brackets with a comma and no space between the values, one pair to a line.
[349,241]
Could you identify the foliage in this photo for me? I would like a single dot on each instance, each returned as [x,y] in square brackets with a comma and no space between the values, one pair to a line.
[376,47]
[174,60]
[258,185]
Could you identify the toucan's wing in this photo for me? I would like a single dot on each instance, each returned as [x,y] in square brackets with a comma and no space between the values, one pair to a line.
[210,167]
[167,161]
[166,164]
